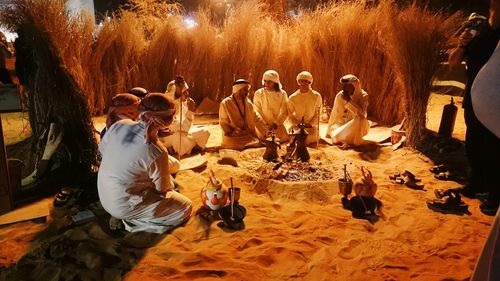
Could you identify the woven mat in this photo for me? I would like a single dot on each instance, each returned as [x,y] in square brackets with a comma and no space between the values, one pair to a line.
[192,162]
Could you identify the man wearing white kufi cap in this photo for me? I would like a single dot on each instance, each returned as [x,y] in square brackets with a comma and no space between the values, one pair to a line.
[270,102]
[183,138]
[241,125]
[348,124]
[305,104]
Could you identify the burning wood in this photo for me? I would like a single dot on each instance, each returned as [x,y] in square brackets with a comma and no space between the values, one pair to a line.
[295,170]
[297,148]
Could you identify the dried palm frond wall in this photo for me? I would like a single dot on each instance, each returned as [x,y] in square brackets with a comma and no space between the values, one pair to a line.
[393,50]
[55,70]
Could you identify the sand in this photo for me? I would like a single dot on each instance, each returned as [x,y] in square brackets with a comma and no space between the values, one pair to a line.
[293,230]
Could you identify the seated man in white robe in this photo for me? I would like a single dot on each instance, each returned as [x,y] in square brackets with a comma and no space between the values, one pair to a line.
[305,105]
[348,124]
[271,104]
[134,182]
[241,125]
[183,136]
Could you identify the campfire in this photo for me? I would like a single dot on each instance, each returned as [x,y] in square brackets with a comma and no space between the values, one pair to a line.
[295,170]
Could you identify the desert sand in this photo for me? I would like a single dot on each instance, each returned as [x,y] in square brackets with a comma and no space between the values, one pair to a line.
[293,230]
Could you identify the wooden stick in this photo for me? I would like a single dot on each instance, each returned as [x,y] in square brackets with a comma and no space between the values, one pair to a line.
[232,199]
[317,133]
[180,128]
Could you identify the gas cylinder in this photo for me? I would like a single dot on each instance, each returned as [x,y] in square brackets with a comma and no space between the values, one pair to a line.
[448,119]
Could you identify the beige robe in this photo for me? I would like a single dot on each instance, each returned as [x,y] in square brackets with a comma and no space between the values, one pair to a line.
[348,123]
[273,108]
[241,126]
[307,106]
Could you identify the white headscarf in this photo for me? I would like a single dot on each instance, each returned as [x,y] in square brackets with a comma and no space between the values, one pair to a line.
[353,80]
[240,84]
[271,75]
[305,75]
[171,87]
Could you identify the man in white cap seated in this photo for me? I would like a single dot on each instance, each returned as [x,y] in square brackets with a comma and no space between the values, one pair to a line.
[183,137]
[348,124]
[270,102]
[241,125]
[305,105]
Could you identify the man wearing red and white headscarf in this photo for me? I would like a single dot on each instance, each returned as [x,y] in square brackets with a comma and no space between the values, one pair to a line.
[348,124]
[134,182]
[305,104]
[241,125]
[123,106]
[184,137]
[270,102]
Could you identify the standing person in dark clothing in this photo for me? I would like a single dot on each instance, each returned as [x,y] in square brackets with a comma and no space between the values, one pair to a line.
[485,94]
[25,61]
[476,43]
[4,55]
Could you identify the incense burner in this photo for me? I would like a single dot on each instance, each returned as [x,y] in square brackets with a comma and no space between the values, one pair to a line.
[214,195]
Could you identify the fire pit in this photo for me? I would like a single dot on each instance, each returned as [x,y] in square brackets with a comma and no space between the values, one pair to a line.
[295,170]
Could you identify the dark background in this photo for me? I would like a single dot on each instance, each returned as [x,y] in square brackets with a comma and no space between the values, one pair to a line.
[467,6]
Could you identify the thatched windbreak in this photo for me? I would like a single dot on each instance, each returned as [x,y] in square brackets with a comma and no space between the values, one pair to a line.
[55,78]
[394,51]
[416,59]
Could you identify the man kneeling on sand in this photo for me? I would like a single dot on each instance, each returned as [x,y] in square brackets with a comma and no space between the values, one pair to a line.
[241,125]
[134,181]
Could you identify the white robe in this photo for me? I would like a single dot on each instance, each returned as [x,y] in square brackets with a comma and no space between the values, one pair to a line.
[485,93]
[185,137]
[273,108]
[348,123]
[134,182]
[307,106]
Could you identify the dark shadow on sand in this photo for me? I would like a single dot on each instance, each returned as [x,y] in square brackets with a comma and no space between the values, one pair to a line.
[66,250]
[447,151]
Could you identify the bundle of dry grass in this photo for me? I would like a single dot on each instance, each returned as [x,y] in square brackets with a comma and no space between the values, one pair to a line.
[56,79]
[416,59]
[393,50]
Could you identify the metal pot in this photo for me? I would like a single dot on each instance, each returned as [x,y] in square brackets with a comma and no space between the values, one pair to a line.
[345,186]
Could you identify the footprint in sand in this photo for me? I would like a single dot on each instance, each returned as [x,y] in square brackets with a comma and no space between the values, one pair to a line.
[277,207]
[265,260]
[252,243]
[193,274]
[351,251]
[325,239]
[366,248]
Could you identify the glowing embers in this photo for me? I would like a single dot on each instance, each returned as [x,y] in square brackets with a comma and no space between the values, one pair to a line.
[295,170]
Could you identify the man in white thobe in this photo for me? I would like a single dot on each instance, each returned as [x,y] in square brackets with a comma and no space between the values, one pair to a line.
[348,124]
[134,182]
[183,136]
[305,105]
[241,125]
[270,102]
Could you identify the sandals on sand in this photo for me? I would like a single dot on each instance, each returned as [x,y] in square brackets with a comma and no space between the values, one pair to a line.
[408,179]
[413,185]
[63,197]
[439,169]
[448,202]
[449,176]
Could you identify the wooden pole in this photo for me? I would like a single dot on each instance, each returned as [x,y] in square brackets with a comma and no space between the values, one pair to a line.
[6,200]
